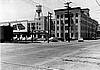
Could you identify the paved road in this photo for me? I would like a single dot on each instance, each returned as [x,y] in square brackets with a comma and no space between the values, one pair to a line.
[16,56]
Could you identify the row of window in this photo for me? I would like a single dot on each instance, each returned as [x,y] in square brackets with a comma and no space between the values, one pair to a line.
[66,35]
[66,28]
[61,34]
[35,23]
[58,27]
[66,21]
[36,28]
[87,35]
[84,28]
[66,15]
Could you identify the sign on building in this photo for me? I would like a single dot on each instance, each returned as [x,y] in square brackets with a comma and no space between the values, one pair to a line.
[19,26]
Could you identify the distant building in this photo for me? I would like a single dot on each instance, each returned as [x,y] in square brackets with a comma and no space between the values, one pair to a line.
[6,34]
[52,28]
[98,31]
[24,28]
[81,24]
[40,27]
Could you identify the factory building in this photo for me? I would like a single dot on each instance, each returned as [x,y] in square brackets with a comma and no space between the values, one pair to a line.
[38,28]
[81,24]
[98,31]
[6,34]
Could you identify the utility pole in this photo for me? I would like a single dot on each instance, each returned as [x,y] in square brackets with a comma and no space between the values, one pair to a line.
[50,23]
[48,27]
[68,20]
[33,28]
[32,35]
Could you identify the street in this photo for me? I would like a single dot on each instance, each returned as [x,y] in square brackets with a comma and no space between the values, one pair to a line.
[34,56]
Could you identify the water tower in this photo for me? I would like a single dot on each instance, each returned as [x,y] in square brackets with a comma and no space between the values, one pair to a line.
[38,10]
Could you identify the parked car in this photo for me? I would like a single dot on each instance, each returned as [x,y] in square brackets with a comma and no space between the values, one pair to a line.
[60,39]
[53,39]
[80,40]
[23,38]
[29,38]
[14,38]
[41,39]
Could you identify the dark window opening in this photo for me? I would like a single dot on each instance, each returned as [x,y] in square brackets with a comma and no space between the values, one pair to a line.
[57,28]
[66,27]
[61,15]
[57,22]
[57,16]
[57,34]
[66,15]
[61,27]
[61,21]
[66,21]
[76,14]
[76,20]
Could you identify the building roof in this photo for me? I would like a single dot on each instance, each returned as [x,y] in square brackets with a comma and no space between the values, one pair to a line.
[66,8]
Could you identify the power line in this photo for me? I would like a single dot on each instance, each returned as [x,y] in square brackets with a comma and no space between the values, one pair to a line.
[42,5]
[60,1]
[34,1]
[65,1]
[97,2]
[45,2]
[95,10]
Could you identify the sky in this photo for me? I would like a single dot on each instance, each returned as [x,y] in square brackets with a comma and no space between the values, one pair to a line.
[11,10]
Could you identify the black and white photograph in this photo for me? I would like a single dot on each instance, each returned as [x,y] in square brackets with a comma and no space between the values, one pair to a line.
[49,34]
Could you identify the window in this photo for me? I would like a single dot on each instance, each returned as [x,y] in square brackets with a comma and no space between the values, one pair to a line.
[71,34]
[54,22]
[76,20]
[61,21]
[37,27]
[39,18]
[57,34]
[61,34]
[57,22]
[76,27]
[72,27]
[57,27]
[61,27]
[66,15]
[37,23]
[57,16]
[76,35]
[66,21]
[66,27]
[76,14]
[32,24]
[61,15]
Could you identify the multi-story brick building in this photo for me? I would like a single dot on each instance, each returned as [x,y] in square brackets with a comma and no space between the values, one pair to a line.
[81,24]
[98,31]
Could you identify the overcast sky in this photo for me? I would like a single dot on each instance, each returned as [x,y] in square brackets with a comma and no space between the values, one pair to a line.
[11,10]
